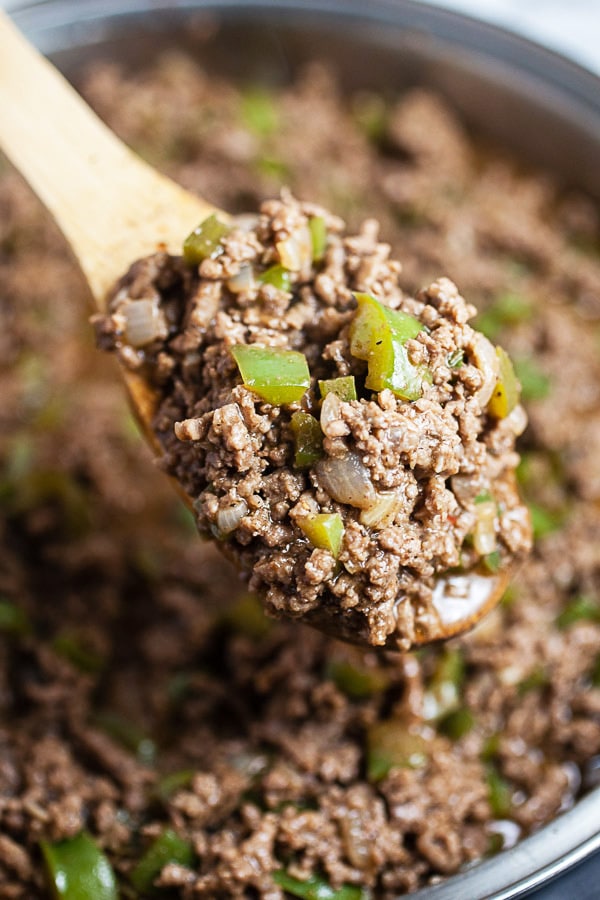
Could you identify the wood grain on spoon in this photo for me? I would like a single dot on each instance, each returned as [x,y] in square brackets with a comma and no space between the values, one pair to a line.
[113,208]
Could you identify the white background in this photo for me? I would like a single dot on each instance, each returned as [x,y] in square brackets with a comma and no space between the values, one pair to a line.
[570,26]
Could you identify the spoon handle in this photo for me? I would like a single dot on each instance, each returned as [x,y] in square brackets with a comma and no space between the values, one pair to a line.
[111,206]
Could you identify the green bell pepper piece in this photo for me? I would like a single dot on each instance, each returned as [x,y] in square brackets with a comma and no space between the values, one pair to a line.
[77,869]
[13,619]
[315,888]
[167,848]
[324,530]
[579,610]
[457,723]
[535,384]
[169,784]
[357,682]
[276,375]
[456,359]
[318,236]
[247,616]
[344,387]
[378,335]
[308,439]
[259,112]
[499,793]
[278,276]
[507,391]
[204,242]
[127,734]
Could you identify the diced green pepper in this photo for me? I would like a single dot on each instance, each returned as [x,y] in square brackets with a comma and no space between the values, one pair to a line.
[579,610]
[378,335]
[204,242]
[507,391]
[357,682]
[73,648]
[544,521]
[457,723]
[13,619]
[167,848]
[499,793]
[492,562]
[247,617]
[393,744]
[308,439]
[538,678]
[491,747]
[443,691]
[507,309]
[76,869]
[128,734]
[278,276]
[169,784]
[324,530]
[315,888]
[318,236]
[370,113]
[456,359]
[259,113]
[495,843]
[344,387]
[276,375]
[535,384]
[273,168]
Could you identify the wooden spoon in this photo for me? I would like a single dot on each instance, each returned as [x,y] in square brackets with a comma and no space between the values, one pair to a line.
[113,208]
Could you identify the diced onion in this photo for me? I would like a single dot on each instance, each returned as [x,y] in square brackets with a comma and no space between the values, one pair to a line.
[486,360]
[346,479]
[295,252]
[144,322]
[484,536]
[330,411]
[230,517]
[383,511]
[517,420]
[243,281]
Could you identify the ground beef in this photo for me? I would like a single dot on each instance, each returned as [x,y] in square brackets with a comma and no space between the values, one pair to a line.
[141,689]
[433,461]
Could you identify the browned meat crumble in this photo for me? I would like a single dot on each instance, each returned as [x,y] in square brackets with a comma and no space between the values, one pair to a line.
[129,651]
[418,472]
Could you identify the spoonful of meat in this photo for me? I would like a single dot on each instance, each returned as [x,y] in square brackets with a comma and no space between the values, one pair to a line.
[350,448]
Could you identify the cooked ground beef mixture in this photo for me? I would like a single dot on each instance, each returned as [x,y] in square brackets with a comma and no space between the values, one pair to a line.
[155,726]
[343,509]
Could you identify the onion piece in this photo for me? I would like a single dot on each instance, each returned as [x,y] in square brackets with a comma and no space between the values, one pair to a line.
[295,252]
[484,535]
[144,322]
[383,511]
[230,517]
[243,281]
[330,412]
[347,480]
[486,360]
